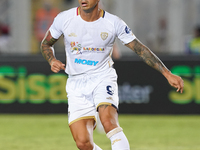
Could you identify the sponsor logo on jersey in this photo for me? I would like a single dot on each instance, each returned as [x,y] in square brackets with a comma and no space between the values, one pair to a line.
[86,62]
[72,35]
[93,49]
[104,35]
[78,49]
[127,30]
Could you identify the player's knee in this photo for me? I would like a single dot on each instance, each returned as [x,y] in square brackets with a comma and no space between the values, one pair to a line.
[84,144]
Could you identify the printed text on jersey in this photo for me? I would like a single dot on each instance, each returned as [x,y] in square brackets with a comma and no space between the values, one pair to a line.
[86,62]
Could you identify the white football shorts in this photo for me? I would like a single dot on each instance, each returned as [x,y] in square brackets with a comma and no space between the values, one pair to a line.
[86,92]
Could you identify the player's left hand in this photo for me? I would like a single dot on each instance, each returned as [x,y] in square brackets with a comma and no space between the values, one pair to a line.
[176,81]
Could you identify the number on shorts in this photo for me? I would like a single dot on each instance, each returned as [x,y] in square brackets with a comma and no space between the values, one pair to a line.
[109,90]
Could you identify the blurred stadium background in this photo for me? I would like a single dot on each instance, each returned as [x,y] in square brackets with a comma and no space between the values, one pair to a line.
[27,85]
[163,25]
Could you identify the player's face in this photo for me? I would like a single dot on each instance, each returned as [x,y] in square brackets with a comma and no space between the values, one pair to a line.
[88,5]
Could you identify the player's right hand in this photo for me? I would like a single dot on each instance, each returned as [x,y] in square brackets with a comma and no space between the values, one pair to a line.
[57,65]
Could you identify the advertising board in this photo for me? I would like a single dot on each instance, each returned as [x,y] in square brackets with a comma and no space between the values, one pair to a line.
[29,86]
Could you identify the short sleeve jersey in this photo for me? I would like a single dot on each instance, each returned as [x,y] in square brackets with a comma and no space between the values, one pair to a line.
[89,45]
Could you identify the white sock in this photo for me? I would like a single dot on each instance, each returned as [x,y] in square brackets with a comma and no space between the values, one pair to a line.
[118,139]
[96,147]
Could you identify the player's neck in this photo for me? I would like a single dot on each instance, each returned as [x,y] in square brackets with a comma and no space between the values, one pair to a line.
[90,15]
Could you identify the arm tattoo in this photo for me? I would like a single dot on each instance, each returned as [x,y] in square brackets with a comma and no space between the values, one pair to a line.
[47,48]
[147,55]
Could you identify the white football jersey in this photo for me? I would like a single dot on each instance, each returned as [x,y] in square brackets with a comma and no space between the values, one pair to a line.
[89,45]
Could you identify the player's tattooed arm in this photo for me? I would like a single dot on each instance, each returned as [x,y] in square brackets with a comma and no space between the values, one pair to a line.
[152,60]
[147,55]
[47,47]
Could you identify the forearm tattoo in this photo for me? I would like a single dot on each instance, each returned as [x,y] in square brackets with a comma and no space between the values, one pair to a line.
[148,56]
[47,49]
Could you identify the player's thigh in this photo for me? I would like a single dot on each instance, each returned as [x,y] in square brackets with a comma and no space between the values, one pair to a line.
[106,93]
[108,116]
[82,130]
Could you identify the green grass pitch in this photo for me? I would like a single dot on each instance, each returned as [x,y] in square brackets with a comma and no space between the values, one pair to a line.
[145,132]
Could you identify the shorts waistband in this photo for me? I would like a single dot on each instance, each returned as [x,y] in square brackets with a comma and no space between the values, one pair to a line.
[90,74]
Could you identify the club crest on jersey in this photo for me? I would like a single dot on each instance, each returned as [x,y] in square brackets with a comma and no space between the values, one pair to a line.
[77,48]
[104,35]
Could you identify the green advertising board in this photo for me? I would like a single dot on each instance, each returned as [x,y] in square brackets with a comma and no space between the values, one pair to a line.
[29,86]
[37,88]
[191,77]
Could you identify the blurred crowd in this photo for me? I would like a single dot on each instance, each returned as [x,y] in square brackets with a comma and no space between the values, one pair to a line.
[152,30]
[4,37]
[192,43]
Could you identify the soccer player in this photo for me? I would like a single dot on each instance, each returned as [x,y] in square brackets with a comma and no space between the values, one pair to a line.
[89,34]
